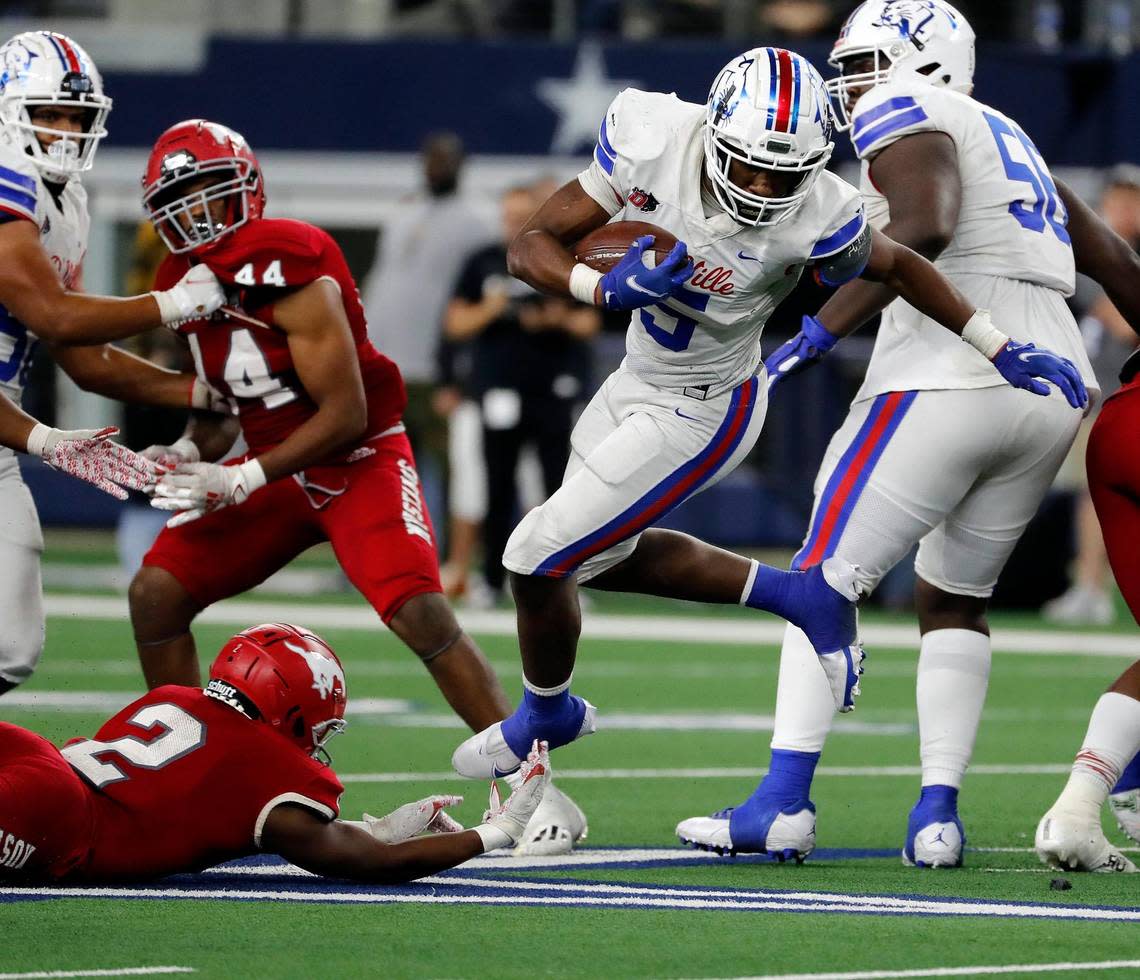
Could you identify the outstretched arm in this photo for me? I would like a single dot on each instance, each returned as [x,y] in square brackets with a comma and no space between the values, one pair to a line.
[30,289]
[116,373]
[1104,256]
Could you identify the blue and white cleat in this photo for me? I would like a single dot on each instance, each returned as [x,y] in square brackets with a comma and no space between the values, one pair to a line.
[786,834]
[828,595]
[935,837]
[1125,808]
[486,755]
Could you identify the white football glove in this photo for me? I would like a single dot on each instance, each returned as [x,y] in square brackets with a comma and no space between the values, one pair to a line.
[197,294]
[177,454]
[207,398]
[428,815]
[197,489]
[90,455]
[503,825]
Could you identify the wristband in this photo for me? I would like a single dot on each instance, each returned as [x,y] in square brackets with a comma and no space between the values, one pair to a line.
[980,333]
[583,282]
[169,309]
[38,438]
[492,837]
[253,475]
[818,335]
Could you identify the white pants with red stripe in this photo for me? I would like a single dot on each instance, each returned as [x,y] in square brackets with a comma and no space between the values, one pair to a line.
[637,452]
[962,471]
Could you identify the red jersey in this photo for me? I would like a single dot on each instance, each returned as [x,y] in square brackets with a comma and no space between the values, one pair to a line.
[181,781]
[258,264]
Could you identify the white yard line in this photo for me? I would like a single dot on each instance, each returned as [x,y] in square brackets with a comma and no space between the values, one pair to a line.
[605,626]
[127,971]
[954,971]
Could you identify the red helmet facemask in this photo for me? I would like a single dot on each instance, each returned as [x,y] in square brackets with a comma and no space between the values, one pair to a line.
[288,678]
[202,181]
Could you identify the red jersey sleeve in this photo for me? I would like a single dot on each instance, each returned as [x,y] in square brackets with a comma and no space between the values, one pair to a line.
[172,268]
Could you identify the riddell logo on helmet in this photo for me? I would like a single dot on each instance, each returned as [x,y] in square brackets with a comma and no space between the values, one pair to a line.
[642,200]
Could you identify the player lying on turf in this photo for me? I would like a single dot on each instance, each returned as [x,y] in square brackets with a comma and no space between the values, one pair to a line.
[742,180]
[1070,836]
[185,778]
[52,116]
[936,449]
[327,458]
[88,454]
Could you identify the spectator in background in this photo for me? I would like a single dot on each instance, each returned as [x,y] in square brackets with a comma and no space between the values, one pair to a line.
[531,363]
[1109,340]
[418,259]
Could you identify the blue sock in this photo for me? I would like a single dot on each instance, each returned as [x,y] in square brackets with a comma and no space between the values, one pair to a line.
[773,590]
[789,776]
[556,718]
[1130,778]
[942,798]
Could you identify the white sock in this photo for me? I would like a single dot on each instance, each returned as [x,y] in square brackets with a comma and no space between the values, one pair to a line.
[1111,742]
[953,672]
[805,705]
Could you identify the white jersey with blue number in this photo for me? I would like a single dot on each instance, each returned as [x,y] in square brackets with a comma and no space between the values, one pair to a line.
[647,167]
[1011,236]
[63,232]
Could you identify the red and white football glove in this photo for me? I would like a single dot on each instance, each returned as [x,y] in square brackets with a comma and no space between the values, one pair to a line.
[196,489]
[503,825]
[196,295]
[90,455]
[428,815]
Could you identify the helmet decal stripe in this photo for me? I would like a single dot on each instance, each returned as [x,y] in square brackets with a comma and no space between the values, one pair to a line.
[58,50]
[795,94]
[784,98]
[774,77]
[69,51]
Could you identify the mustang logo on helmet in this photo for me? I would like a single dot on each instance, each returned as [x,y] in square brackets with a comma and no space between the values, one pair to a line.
[326,672]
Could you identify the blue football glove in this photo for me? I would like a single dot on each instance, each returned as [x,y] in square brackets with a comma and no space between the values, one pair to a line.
[1024,366]
[631,283]
[799,353]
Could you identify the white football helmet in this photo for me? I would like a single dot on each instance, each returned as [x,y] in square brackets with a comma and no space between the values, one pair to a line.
[40,68]
[767,108]
[927,39]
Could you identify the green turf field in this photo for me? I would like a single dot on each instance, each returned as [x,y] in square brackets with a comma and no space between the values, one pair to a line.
[692,718]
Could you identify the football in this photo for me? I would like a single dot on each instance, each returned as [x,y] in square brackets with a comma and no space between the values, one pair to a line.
[603,247]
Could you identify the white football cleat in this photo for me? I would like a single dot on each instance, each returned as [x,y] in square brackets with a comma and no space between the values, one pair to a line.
[486,755]
[1126,808]
[557,825]
[937,845]
[789,837]
[1070,842]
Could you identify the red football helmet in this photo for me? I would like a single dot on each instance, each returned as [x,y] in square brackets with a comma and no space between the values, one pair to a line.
[202,181]
[286,677]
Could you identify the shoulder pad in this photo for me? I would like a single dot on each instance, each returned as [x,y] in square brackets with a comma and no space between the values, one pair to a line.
[841,205]
[887,112]
[640,125]
[270,252]
[19,182]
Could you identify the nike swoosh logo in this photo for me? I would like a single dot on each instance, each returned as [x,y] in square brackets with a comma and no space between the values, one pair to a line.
[1032,353]
[747,258]
[632,282]
[681,414]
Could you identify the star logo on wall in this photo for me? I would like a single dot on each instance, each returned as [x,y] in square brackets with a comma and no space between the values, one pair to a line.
[581,100]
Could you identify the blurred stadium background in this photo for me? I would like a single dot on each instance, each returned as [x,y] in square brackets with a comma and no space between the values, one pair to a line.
[339,96]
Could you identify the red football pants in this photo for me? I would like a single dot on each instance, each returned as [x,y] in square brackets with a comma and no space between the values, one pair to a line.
[1113,462]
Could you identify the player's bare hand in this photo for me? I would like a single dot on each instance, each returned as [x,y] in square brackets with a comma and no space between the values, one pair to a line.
[197,489]
[90,455]
[196,295]
[428,815]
